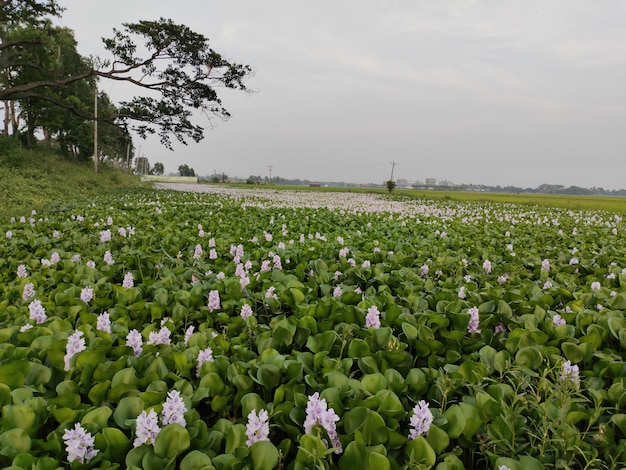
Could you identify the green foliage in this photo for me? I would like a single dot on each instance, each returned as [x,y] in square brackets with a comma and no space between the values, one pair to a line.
[497,391]
[38,179]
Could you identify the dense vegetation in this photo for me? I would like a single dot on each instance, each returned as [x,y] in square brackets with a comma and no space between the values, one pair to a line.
[180,330]
[50,92]
[42,179]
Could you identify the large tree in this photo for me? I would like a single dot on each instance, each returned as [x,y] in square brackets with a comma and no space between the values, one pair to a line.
[179,72]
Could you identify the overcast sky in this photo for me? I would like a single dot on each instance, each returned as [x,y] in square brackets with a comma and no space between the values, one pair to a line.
[493,92]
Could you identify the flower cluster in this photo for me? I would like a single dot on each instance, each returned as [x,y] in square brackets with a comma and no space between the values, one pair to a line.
[135,341]
[37,311]
[128,282]
[79,444]
[372,319]
[104,322]
[29,291]
[147,428]
[75,344]
[246,311]
[570,373]
[421,420]
[205,355]
[160,337]
[86,294]
[214,300]
[173,409]
[472,326]
[257,428]
[318,413]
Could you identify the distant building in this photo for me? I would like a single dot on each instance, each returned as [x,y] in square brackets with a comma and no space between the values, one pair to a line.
[431,181]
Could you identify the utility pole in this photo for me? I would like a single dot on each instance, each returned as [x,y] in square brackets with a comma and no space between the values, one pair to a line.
[95,130]
[393,165]
[270,167]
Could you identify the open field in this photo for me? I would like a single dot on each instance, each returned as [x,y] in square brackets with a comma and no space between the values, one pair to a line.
[258,328]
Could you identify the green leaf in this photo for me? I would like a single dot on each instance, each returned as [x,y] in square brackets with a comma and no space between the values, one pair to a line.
[572,352]
[378,461]
[127,408]
[251,401]
[529,357]
[172,441]
[99,416]
[420,452]
[455,421]
[117,442]
[369,423]
[438,439]
[14,441]
[195,460]
[264,455]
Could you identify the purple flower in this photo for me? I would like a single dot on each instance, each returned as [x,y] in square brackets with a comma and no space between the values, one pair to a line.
[37,311]
[501,328]
[487,266]
[570,373]
[104,322]
[317,413]
[55,258]
[134,340]
[188,333]
[212,254]
[205,355]
[197,252]
[372,319]
[269,294]
[79,444]
[214,300]
[421,420]
[160,337]
[545,265]
[121,231]
[462,293]
[128,280]
[424,270]
[29,291]
[108,258]
[9,235]
[173,409]
[557,320]
[596,286]
[147,428]
[75,344]
[246,311]
[105,236]
[91,264]
[257,428]
[337,291]
[472,326]
[86,294]
[21,271]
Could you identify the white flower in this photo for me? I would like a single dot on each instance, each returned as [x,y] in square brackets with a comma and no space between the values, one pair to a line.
[147,428]
[75,344]
[257,428]
[79,444]
[173,409]
[421,420]
[104,322]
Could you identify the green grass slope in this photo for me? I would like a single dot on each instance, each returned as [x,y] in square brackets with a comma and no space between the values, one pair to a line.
[39,179]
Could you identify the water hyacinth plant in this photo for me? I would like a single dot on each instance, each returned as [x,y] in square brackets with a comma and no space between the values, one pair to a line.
[241,329]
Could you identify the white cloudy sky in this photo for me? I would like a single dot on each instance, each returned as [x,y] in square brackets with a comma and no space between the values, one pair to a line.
[501,92]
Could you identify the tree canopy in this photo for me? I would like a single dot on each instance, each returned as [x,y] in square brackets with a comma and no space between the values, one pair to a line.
[176,72]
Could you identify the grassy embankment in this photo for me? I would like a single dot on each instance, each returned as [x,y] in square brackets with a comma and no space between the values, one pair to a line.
[38,180]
